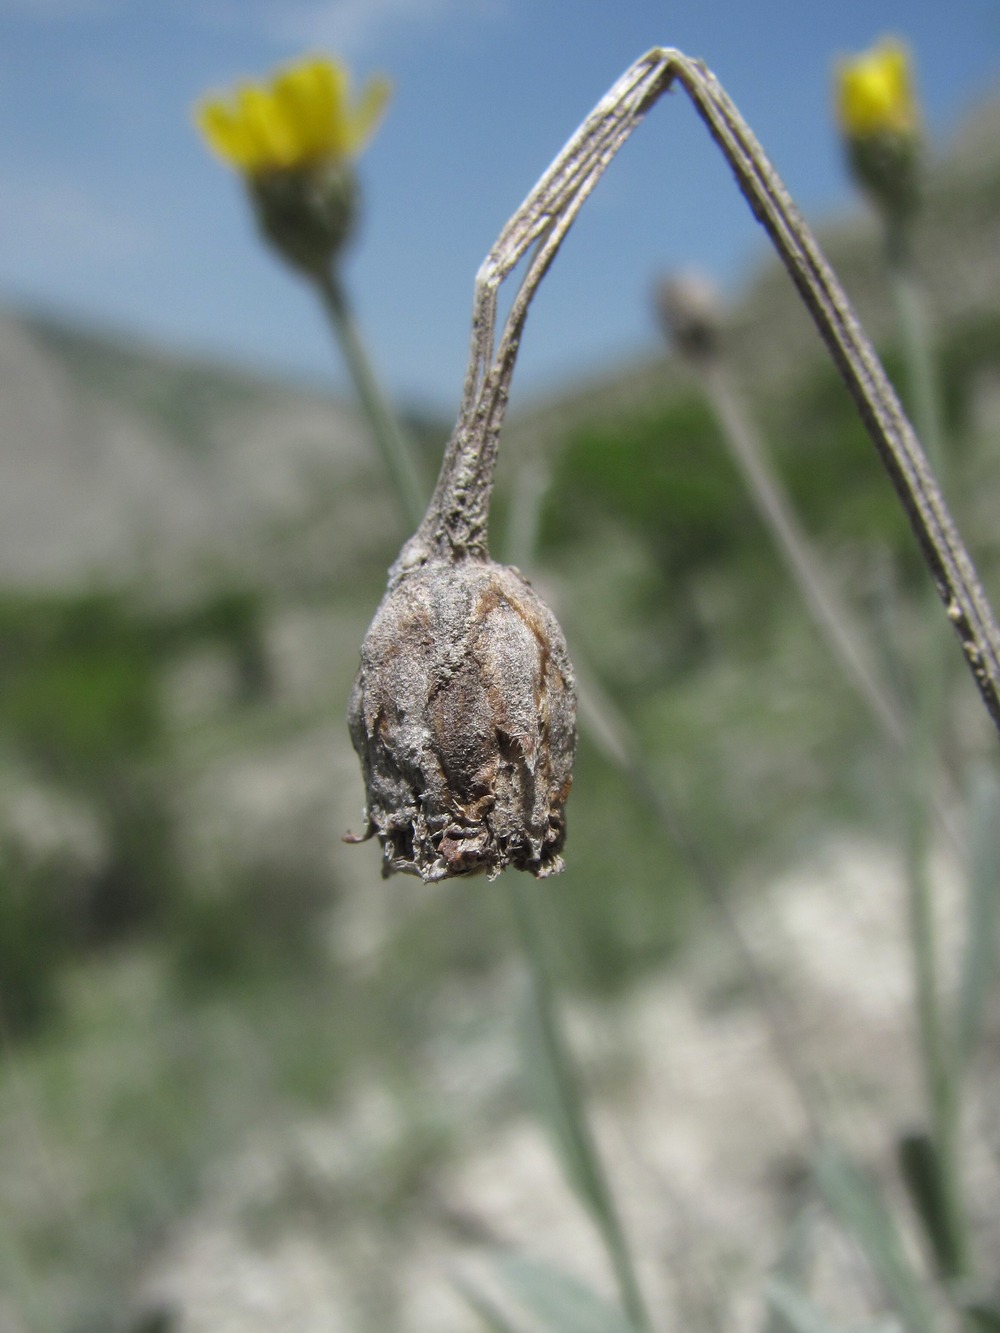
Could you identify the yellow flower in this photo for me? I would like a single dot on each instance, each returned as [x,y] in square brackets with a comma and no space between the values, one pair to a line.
[302,118]
[874,92]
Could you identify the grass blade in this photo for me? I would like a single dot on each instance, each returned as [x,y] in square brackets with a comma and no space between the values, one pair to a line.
[857,1204]
[560,1303]
[553,1074]
[792,1311]
[549,1092]
[792,1268]
[979,961]
[920,1167]
[798,1313]
[492,1316]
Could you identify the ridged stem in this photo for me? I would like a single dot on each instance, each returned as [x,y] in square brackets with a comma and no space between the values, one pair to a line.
[458,513]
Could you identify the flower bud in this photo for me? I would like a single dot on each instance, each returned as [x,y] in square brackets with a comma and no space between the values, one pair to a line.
[464,717]
[307,213]
[689,311]
[294,139]
[879,119]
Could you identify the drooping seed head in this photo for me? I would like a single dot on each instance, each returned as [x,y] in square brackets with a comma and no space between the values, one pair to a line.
[464,717]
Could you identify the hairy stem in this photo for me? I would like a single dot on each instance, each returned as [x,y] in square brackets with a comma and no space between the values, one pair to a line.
[456,521]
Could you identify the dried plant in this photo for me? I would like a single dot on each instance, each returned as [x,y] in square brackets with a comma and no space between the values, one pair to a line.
[463,711]
[461,775]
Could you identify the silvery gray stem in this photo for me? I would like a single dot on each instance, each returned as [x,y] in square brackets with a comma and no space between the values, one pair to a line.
[456,521]
[463,711]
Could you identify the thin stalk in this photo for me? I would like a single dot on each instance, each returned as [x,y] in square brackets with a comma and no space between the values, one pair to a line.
[458,516]
[938,1069]
[779,517]
[524,519]
[914,327]
[609,729]
[596,1191]
[939,1066]
[831,617]
[936,1049]
[396,450]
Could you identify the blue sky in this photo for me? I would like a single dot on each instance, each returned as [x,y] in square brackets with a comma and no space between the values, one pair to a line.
[112,212]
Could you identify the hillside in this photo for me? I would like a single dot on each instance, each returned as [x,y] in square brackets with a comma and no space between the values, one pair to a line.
[119,462]
[246,1084]
[118,458]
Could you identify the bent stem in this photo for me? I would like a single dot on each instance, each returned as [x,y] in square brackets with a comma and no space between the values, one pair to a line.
[458,513]
[396,450]
[584,1168]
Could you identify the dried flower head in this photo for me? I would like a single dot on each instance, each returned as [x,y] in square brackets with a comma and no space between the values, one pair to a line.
[463,716]
[689,310]
[434,733]
[464,707]
[293,140]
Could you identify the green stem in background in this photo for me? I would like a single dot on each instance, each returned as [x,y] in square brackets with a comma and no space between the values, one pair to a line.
[940,1070]
[588,1175]
[779,517]
[397,452]
[581,1158]
[829,614]
[609,730]
[524,516]
[913,324]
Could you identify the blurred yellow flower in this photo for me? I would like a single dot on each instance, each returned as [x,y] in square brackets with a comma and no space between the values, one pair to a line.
[302,118]
[874,92]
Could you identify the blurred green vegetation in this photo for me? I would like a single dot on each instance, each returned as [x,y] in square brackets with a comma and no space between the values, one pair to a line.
[82,714]
[159,1005]
[181,397]
[687,615]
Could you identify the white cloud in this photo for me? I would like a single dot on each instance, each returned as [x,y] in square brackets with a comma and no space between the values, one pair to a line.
[355,26]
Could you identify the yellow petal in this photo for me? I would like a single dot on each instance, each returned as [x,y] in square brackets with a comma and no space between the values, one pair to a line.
[225,134]
[312,95]
[359,124]
[302,117]
[268,128]
[874,92]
